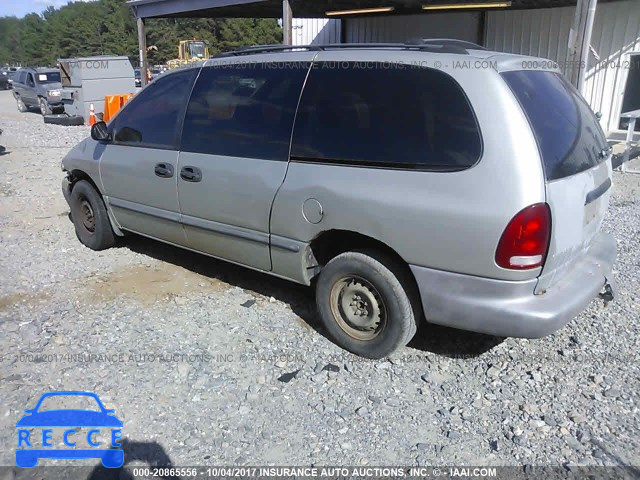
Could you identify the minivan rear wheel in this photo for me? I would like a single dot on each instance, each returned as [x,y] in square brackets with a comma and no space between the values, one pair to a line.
[90,218]
[367,303]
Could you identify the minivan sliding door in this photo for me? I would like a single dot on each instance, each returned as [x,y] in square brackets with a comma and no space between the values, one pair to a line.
[234,152]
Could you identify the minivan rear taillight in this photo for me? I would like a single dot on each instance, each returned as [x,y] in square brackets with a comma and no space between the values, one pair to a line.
[525,241]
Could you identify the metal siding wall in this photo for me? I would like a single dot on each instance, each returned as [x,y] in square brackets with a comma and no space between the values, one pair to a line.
[400,28]
[616,33]
[545,33]
[541,33]
[307,31]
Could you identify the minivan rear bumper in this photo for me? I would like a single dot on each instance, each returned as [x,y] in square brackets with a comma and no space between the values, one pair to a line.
[510,309]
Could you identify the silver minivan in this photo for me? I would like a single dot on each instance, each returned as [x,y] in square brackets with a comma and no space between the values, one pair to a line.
[432,180]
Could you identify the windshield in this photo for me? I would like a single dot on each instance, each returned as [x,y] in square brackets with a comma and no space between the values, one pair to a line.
[197,49]
[48,77]
[69,402]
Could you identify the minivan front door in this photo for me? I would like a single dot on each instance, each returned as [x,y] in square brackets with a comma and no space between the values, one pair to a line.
[234,153]
[139,167]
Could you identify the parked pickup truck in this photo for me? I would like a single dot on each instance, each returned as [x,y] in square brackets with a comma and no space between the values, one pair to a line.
[38,87]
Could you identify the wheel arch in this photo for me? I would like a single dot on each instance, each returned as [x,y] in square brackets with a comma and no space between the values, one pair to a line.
[331,243]
[75,175]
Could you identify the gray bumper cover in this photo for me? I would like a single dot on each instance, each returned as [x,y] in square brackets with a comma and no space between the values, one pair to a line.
[510,309]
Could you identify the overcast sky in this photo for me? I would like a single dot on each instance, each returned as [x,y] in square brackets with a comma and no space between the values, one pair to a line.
[20,8]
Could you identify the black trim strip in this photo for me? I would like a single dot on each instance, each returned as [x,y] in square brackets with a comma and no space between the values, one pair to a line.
[152,212]
[381,165]
[225,230]
[208,225]
[596,193]
[283,244]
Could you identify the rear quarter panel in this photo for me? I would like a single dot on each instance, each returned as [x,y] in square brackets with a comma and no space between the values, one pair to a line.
[445,221]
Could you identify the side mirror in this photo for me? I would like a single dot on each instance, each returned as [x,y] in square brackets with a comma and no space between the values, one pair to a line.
[100,132]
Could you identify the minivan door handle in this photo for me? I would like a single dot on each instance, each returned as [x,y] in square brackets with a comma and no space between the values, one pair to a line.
[164,170]
[191,174]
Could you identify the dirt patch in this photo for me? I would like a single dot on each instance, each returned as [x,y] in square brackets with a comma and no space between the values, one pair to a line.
[149,284]
[8,301]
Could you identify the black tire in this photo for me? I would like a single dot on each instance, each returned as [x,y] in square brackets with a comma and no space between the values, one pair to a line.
[45,108]
[382,295]
[22,107]
[90,217]
[64,119]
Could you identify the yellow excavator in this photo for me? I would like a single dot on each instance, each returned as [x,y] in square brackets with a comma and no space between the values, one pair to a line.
[190,51]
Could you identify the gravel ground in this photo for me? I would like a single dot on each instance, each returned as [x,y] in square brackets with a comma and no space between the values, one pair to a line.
[211,364]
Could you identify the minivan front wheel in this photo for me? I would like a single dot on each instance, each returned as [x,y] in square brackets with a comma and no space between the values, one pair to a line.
[90,217]
[367,303]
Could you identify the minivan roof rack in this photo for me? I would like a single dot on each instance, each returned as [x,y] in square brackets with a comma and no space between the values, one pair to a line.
[437,45]
[446,42]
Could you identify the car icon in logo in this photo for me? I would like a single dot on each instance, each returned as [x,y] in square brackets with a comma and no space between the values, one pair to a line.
[99,420]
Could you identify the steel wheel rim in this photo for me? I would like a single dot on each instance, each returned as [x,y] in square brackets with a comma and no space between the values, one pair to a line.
[88,218]
[358,308]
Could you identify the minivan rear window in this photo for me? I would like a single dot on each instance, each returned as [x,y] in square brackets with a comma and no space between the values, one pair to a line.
[569,136]
[387,116]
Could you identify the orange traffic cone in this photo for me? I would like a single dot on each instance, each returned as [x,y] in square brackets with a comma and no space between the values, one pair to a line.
[92,115]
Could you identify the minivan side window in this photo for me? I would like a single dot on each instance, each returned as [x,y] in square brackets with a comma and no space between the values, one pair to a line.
[153,117]
[30,81]
[385,115]
[244,110]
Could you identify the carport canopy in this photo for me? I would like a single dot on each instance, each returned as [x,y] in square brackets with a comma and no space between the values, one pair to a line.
[311,8]
[287,9]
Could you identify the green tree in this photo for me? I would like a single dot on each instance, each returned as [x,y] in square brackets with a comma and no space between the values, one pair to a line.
[11,51]
[108,27]
[33,32]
